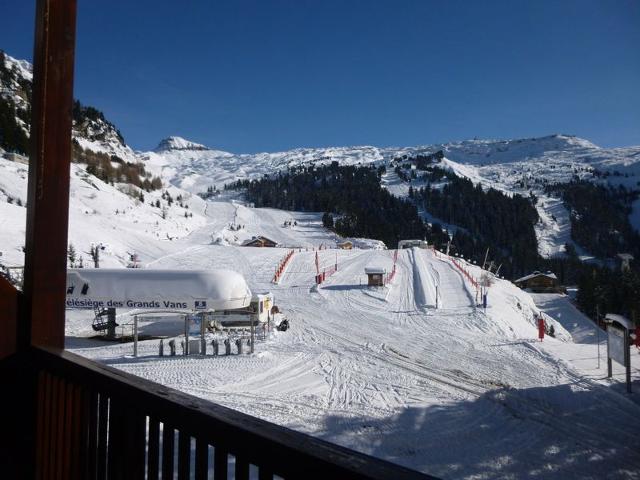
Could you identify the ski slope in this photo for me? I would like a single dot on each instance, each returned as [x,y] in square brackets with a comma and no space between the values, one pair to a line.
[454,391]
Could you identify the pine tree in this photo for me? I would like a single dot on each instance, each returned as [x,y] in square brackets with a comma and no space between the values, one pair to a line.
[71,255]
[95,255]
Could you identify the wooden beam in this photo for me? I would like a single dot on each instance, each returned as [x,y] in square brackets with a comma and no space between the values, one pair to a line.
[42,321]
[8,316]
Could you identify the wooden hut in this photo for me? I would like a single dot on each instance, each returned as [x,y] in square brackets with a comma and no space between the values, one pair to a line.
[539,282]
[260,241]
[375,276]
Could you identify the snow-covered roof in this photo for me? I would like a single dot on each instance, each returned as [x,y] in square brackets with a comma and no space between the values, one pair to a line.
[614,317]
[374,270]
[259,238]
[156,289]
[537,274]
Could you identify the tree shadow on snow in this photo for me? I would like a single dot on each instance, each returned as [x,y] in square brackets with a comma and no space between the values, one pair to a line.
[566,431]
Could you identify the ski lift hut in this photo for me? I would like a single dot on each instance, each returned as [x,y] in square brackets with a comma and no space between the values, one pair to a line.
[375,276]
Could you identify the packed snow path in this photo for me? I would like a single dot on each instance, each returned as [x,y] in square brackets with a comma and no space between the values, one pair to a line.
[455,391]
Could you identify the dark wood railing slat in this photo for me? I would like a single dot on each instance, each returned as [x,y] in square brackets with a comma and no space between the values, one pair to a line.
[153,449]
[60,430]
[91,400]
[184,455]
[103,419]
[43,419]
[202,459]
[220,463]
[78,445]
[241,468]
[69,409]
[134,443]
[116,443]
[50,471]
[168,441]
[264,474]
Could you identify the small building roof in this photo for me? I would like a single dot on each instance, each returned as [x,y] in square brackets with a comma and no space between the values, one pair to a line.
[536,274]
[156,289]
[259,238]
[374,270]
[614,317]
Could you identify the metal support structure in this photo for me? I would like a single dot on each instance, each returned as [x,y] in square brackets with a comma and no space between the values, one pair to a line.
[135,335]
[111,322]
[253,333]
[485,258]
[186,336]
[203,341]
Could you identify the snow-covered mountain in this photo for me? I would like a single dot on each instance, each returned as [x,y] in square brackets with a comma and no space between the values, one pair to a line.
[187,168]
[91,130]
[515,166]
[558,157]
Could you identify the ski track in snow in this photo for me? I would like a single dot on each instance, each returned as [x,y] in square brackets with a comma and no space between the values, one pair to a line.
[454,391]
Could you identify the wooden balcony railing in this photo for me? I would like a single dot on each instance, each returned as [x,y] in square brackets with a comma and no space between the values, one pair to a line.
[95,422]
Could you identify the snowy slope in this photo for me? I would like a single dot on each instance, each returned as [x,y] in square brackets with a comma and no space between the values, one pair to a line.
[99,213]
[455,391]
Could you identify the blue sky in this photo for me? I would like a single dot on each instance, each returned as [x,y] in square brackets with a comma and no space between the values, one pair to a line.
[269,75]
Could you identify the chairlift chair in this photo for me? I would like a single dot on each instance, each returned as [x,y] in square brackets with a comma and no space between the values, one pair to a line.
[101,320]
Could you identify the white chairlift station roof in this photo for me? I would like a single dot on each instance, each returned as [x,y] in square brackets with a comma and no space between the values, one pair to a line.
[133,288]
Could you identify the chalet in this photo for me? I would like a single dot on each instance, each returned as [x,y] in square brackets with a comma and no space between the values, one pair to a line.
[375,276]
[412,243]
[66,416]
[539,282]
[260,241]
[346,245]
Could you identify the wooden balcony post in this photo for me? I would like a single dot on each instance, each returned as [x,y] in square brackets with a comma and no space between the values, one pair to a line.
[42,319]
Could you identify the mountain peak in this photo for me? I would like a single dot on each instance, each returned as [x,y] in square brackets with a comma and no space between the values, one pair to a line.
[178,143]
